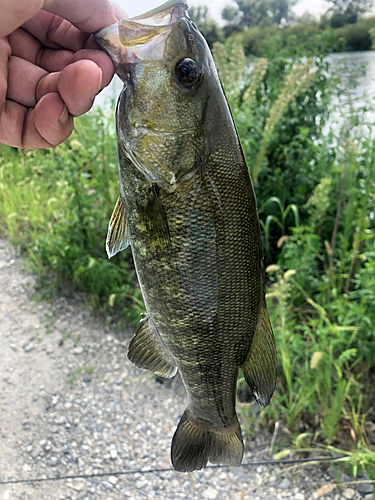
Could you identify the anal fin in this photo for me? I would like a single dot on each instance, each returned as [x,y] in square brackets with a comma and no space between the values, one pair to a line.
[146,351]
[118,231]
[259,368]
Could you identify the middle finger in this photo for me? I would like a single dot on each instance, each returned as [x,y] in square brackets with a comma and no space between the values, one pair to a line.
[23,78]
[55,32]
[26,46]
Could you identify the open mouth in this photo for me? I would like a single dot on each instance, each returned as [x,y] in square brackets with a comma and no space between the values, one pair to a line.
[142,36]
[168,13]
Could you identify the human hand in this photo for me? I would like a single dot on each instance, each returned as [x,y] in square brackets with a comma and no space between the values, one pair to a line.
[50,68]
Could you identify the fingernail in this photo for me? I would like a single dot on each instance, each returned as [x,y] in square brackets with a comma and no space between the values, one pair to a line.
[100,82]
[64,117]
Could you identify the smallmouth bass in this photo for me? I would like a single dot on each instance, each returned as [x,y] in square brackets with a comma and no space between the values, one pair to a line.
[188,210]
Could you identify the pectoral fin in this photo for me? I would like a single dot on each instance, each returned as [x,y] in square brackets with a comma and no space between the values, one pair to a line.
[156,222]
[146,351]
[118,231]
[259,368]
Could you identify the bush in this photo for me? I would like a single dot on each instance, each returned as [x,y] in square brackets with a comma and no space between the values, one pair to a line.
[357,36]
[307,37]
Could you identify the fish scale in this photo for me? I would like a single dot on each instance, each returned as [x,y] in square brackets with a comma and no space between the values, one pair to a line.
[188,209]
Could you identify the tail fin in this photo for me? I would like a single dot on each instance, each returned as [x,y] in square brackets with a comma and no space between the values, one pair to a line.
[194,444]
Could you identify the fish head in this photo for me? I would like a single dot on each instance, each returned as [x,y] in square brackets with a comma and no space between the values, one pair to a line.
[168,74]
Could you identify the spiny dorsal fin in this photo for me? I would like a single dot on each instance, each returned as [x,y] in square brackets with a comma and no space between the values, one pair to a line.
[146,351]
[259,368]
[118,231]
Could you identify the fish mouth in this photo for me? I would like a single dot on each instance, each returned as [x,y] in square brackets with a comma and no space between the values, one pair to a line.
[133,39]
[168,13]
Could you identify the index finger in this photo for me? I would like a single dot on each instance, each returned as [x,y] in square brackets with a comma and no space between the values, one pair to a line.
[86,15]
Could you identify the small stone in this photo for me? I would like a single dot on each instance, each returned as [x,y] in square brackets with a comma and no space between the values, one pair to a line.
[49,349]
[299,496]
[210,493]
[87,379]
[35,452]
[53,461]
[60,421]
[113,480]
[348,493]
[364,488]
[113,454]
[79,486]
[55,400]
[28,346]
[285,483]
[77,350]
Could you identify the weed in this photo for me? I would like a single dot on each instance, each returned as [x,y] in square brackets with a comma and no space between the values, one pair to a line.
[70,380]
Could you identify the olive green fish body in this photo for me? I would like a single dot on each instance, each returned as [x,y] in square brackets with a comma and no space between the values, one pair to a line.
[188,209]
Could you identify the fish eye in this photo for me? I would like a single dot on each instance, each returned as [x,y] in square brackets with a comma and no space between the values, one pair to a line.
[187,72]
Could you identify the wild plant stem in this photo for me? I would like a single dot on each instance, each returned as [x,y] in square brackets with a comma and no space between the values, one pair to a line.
[336,227]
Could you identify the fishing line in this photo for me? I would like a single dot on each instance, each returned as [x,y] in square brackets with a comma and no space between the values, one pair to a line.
[151,471]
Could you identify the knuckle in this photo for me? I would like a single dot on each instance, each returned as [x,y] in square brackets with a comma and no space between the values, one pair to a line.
[57,24]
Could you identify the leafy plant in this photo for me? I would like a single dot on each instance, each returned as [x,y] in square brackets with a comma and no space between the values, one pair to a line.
[55,204]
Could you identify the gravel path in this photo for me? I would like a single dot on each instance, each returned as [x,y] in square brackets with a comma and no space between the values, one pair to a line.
[71,403]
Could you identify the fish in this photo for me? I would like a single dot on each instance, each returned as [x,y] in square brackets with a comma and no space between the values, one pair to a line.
[187,209]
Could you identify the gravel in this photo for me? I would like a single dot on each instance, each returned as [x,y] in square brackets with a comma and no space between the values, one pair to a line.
[72,404]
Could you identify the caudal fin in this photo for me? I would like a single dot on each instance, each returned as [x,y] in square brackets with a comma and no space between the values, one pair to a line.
[194,444]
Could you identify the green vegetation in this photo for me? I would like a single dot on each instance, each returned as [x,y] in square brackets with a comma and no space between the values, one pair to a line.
[55,204]
[71,379]
[316,201]
[265,27]
[307,34]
